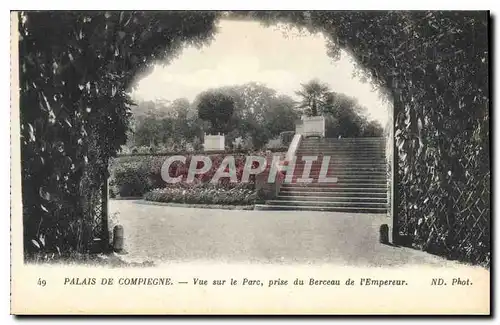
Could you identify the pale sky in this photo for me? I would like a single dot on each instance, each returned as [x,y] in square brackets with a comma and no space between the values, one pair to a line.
[246,51]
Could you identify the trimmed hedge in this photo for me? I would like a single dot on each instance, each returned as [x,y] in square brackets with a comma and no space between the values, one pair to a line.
[134,177]
[283,148]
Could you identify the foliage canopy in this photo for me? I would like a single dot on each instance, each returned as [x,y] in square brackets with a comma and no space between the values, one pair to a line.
[217,108]
[75,71]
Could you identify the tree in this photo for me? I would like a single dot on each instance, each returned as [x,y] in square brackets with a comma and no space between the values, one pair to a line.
[182,116]
[373,129]
[263,112]
[260,113]
[160,122]
[344,116]
[217,108]
[281,115]
[314,97]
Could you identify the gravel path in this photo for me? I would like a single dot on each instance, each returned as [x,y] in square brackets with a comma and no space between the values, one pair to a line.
[174,234]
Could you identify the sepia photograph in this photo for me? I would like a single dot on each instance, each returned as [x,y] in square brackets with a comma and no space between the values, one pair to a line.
[251,162]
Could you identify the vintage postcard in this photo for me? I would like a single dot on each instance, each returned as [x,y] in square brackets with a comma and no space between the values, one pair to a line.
[250,162]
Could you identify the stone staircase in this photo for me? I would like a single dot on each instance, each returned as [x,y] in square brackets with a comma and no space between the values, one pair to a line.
[357,178]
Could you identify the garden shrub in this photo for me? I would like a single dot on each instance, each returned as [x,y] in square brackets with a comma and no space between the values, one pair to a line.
[137,175]
[203,193]
[131,180]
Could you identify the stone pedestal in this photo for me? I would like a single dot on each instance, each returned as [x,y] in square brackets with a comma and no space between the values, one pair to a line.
[213,142]
[118,239]
[311,126]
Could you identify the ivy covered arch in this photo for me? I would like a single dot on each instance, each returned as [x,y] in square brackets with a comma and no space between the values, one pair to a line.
[434,67]
[76,69]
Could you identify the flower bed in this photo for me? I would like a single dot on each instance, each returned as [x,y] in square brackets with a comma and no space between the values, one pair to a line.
[137,175]
[140,176]
[204,193]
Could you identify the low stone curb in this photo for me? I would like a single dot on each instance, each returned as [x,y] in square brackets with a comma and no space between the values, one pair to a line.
[127,198]
[200,206]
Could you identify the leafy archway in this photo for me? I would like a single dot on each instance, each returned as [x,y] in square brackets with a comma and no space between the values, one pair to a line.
[76,68]
[435,67]
[75,71]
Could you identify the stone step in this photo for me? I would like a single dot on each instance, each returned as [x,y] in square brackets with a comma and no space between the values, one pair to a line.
[337,166]
[314,173]
[343,145]
[330,150]
[319,156]
[324,189]
[340,164]
[381,145]
[341,148]
[336,185]
[328,194]
[332,184]
[328,203]
[348,160]
[352,168]
[374,139]
[324,151]
[265,207]
[332,171]
[340,144]
[350,146]
[359,166]
[337,171]
[333,177]
[332,198]
[347,178]
[339,179]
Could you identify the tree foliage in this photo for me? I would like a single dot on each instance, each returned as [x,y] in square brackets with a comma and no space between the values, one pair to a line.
[345,117]
[315,97]
[163,123]
[260,113]
[217,108]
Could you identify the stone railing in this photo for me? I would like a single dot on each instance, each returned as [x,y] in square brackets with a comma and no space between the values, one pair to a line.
[299,127]
[294,146]
[269,190]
